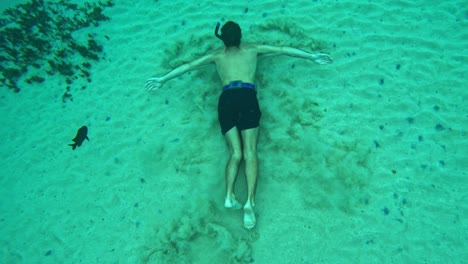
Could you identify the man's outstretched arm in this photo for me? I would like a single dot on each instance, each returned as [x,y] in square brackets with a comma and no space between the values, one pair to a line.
[157,82]
[320,58]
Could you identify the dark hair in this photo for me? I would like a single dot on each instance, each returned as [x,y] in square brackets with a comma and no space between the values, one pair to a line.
[230,34]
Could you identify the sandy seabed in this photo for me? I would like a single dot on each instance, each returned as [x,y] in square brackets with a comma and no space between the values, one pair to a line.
[361,161]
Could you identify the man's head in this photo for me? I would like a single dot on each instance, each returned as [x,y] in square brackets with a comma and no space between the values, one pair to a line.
[230,34]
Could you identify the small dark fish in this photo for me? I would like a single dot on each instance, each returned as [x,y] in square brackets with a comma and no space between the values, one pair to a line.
[81,135]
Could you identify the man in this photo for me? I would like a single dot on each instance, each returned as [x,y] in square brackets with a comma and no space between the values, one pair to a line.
[238,109]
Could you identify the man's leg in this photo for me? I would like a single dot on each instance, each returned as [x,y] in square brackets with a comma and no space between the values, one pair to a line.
[232,167]
[249,137]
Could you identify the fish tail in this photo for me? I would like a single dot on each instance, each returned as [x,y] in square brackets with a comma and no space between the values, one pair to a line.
[73,146]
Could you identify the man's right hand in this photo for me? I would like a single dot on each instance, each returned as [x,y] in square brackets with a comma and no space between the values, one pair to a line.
[153,84]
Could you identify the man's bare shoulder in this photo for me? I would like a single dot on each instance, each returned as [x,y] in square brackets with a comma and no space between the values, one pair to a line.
[260,48]
[212,55]
[217,50]
[249,45]
[243,45]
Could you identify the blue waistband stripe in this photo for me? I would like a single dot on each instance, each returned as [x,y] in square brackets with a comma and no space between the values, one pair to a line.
[238,85]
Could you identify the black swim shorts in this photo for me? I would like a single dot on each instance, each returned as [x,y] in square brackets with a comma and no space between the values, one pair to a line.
[238,107]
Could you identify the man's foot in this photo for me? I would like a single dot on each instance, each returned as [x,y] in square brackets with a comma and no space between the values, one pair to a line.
[232,203]
[249,217]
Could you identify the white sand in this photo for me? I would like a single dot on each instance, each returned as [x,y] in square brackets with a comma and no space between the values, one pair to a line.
[353,168]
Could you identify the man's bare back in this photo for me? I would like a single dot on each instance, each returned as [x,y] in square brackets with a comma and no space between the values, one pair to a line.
[236,63]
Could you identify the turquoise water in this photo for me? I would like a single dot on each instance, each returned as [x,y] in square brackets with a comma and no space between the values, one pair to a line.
[361,161]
